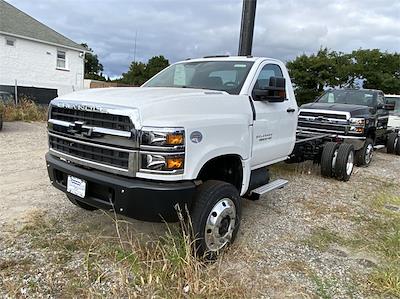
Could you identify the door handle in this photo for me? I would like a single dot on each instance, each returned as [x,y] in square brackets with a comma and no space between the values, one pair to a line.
[291,110]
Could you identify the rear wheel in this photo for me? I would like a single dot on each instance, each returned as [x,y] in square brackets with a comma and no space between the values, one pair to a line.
[344,163]
[329,154]
[397,148]
[392,143]
[80,204]
[215,217]
[364,155]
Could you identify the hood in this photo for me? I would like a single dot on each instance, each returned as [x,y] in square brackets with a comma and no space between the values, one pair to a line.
[353,109]
[158,105]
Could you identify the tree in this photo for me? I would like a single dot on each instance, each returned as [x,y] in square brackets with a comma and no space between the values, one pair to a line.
[377,70]
[140,72]
[136,75]
[155,65]
[313,74]
[93,67]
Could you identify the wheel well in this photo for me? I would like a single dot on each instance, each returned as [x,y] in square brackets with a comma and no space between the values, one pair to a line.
[226,168]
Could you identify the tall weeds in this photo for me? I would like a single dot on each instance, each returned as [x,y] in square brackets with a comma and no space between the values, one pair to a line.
[25,110]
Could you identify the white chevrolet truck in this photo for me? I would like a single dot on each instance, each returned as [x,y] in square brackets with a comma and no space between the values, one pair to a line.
[199,135]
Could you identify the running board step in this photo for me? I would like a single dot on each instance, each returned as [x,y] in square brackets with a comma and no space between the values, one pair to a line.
[277,184]
[379,146]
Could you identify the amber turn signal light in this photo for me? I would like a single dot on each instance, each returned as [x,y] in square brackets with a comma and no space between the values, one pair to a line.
[175,139]
[174,163]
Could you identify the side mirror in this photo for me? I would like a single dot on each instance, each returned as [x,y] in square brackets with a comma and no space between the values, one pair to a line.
[389,107]
[275,92]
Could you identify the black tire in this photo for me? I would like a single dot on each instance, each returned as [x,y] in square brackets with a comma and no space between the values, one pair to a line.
[80,204]
[397,148]
[391,143]
[210,195]
[1,122]
[345,153]
[326,159]
[363,156]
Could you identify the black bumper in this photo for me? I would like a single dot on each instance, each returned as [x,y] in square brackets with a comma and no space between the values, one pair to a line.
[132,197]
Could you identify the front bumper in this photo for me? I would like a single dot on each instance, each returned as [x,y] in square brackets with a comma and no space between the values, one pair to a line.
[135,198]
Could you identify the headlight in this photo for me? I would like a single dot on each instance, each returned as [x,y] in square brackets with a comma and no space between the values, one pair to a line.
[357,125]
[357,121]
[162,150]
[162,162]
[163,137]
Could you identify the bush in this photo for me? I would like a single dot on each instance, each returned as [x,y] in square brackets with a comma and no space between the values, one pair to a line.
[25,110]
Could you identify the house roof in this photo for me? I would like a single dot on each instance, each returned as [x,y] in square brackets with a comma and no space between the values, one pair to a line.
[15,22]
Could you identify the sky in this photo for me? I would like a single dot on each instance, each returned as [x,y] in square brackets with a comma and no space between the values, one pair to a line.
[180,29]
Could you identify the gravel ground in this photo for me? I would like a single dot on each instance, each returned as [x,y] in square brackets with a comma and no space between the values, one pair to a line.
[274,256]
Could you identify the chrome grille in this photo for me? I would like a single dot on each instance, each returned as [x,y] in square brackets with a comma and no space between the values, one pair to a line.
[107,156]
[95,119]
[323,121]
[105,140]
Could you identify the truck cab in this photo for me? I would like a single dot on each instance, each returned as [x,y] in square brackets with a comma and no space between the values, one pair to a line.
[197,137]
[393,103]
[356,116]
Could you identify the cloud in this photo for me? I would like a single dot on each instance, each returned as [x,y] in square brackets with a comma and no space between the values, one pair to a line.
[182,29]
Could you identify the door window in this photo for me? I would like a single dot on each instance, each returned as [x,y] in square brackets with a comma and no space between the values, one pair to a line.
[268,71]
[381,101]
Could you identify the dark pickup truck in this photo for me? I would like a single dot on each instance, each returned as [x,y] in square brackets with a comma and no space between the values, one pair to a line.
[355,116]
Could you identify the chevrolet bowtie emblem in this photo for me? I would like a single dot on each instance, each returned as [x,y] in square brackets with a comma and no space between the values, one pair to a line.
[79,129]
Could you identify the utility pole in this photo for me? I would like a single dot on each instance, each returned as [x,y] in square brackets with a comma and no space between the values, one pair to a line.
[247,27]
[134,50]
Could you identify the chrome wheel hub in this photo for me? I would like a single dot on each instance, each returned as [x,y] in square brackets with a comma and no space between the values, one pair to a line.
[350,163]
[220,224]
[368,153]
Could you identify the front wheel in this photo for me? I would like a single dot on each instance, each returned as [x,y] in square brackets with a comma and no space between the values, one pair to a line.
[215,217]
[365,154]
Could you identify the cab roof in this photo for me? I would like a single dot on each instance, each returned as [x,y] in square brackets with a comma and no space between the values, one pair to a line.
[228,58]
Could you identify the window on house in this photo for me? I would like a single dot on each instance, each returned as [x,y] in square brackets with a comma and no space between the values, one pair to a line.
[10,41]
[61,60]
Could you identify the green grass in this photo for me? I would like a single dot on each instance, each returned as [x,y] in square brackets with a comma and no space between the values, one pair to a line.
[323,286]
[379,235]
[322,238]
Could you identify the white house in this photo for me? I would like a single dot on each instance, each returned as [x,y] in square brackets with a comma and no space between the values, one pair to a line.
[36,58]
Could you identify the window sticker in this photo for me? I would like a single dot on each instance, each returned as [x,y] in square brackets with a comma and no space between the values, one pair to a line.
[180,75]
[239,65]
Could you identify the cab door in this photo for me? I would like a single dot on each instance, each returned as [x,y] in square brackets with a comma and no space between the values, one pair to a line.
[382,117]
[274,129]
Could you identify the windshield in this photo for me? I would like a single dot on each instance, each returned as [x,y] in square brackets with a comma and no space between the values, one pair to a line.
[227,76]
[396,102]
[353,97]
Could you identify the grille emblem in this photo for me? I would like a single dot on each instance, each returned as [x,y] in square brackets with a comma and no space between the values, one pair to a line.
[79,129]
